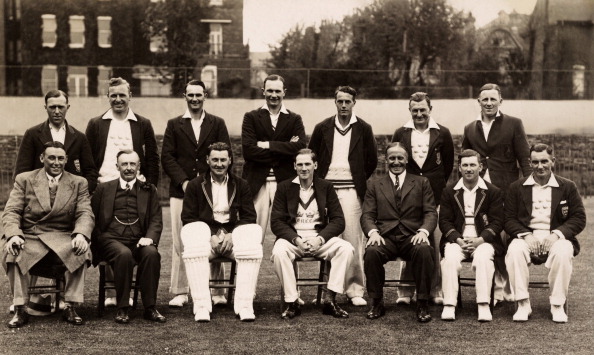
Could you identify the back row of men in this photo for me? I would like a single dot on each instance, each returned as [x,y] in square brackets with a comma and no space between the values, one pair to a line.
[358,225]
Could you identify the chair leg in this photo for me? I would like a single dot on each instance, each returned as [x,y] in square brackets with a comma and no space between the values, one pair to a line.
[135,299]
[459,293]
[492,299]
[321,276]
[232,282]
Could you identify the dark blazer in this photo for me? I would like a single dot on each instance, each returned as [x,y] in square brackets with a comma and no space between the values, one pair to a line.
[417,205]
[488,216]
[256,127]
[182,158]
[362,150]
[286,202]
[506,147]
[149,211]
[198,203]
[80,160]
[440,157]
[143,141]
[567,209]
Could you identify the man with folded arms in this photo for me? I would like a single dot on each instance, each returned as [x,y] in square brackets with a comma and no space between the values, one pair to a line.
[219,219]
[307,220]
[544,214]
[471,220]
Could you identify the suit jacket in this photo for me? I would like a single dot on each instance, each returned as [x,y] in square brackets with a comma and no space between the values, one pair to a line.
[150,216]
[506,147]
[286,203]
[256,127]
[182,158]
[28,213]
[143,142]
[80,160]
[198,203]
[567,210]
[417,206]
[440,157]
[488,216]
[362,150]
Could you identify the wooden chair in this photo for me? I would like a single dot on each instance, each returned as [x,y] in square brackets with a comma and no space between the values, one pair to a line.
[54,272]
[321,281]
[228,283]
[471,282]
[105,284]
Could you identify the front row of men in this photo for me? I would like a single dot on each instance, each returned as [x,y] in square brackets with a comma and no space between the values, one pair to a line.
[49,218]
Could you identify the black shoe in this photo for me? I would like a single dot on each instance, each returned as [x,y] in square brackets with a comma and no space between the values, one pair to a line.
[377,309]
[331,308]
[20,318]
[122,316]
[292,310]
[70,316]
[153,315]
[423,315]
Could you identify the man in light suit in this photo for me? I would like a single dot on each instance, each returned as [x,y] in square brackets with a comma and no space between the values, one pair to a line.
[47,220]
[544,214]
[127,232]
[398,217]
[270,138]
[185,146]
[347,157]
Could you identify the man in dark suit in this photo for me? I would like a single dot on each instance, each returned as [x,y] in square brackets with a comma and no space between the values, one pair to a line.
[347,157]
[120,129]
[47,221]
[544,214]
[219,220]
[471,220]
[127,232]
[307,220]
[431,148]
[270,138]
[185,146]
[56,129]
[398,217]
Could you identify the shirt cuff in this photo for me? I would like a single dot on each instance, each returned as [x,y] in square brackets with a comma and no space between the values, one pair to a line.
[522,235]
[294,239]
[322,240]
[559,233]
[424,231]
[371,231]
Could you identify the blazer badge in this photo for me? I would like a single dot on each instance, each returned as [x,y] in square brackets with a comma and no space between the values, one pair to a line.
[77,165]
[485,219]
[564,211]
[438,159]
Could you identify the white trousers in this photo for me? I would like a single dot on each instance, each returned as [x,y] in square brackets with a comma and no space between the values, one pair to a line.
[338,251]
[263,205]
[246,251]
[482,265]
[559,263]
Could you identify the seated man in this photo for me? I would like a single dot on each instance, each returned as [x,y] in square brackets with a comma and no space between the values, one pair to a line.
[471,220]
[47,217]
[543,215]
[398,216]
[128,229]
[307,220]
[219,219]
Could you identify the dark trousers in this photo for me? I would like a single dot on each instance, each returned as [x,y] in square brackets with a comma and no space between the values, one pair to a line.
[419,257]
[122,258]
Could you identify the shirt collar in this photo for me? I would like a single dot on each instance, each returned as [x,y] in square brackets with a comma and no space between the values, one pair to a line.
[188,115]
[551,183]
[296,181]
[124,182]
[109,115]
[351,121]
[401,177]
[480,116]
[225,180]
[62,128]
[57,177]
[480,184]
[432,124]
[283,108]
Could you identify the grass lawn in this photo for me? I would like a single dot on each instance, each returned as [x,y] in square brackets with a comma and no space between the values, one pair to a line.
[397,332]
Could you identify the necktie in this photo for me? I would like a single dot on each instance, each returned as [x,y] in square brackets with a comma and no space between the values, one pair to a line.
[53,187]
[397,193]
[127,187]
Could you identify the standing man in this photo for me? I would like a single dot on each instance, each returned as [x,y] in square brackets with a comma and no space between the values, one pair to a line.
[56,129]
[307,220]
[544,214]
[398,217]
[127,232]
[219,220]
[47,221]
[270,138]
[432,150]
[471,220]
[185,147]
[347,156]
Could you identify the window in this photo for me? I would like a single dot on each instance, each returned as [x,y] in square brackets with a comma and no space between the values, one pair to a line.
[159,42]
[49,78]
[49,36]
[77,31]
[103,79]
[215,3]
[77,81]
[104,31]
[215,39]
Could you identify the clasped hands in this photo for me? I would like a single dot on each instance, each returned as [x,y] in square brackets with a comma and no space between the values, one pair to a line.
[266,145]
[540,248]
[309,245]
[469,245]
[221,245]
